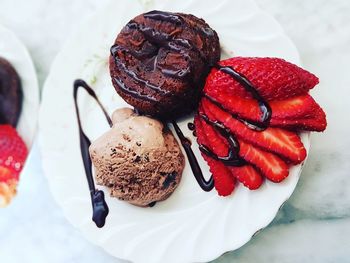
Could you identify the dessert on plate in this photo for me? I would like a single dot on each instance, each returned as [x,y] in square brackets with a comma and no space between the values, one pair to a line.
[13,151]
[249,112]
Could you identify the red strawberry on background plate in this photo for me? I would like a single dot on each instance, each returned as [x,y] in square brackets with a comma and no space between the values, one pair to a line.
[13,153]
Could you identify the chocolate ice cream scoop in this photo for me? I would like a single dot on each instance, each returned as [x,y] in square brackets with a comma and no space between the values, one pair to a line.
[138,159]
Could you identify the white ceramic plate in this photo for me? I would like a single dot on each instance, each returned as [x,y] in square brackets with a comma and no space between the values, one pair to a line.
[192,225]
[15,52]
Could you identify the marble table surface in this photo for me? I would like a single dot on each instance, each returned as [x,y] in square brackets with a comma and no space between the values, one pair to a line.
[313,226]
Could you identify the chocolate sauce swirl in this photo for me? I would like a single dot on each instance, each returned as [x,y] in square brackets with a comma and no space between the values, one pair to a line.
[164,16]
[265,108]
[232,158]
[99,206]
[132,74]
[206,185]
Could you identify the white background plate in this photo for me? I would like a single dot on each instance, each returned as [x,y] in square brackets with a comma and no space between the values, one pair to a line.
[15,52]
[191,225]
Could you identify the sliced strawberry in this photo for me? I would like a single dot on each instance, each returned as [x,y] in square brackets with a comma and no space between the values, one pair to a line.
[274,78]
[317,122]
[285,143]
[243,107]
[208,136]
[271,166]
[247,175]
[224,182]
[289,113]
[211,138]
[294,108]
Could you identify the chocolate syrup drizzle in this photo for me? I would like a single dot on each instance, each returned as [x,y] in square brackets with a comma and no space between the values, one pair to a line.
[206,185]
[265,108]
[232,158]
[99,205]
[191,126]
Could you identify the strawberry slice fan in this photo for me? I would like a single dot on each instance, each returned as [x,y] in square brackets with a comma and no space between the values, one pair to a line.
[13,153]
[249,117]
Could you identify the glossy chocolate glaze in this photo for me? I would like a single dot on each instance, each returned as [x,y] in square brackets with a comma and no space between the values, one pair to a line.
[175,19]
[191,126]
[164,16]
[132,74]
[152,204]
[132,92]
[99,206]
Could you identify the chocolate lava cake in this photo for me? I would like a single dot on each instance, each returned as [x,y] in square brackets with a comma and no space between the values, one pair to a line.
[159,62]
[10,94]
